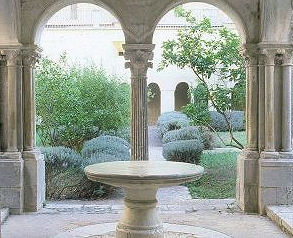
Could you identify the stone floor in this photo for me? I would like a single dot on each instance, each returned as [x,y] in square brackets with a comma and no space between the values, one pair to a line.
[283,216]
[214,215]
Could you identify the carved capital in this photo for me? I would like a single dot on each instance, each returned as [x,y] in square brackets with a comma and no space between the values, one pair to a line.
[138,57]
[270,56]
[30,56]
[287,57]
[11,56]
[250,53]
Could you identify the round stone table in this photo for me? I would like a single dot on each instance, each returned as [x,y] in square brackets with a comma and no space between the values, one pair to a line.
[141,180]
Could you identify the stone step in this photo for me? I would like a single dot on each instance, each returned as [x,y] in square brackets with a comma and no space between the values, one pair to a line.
[283,216]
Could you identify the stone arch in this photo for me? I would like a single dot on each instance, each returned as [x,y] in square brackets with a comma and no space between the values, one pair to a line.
[154,103]
[222,5]
[181,95]
[54,8]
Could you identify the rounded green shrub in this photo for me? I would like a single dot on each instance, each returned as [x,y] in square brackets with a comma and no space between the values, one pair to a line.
[170,121]
[110,145]
[65,178]
[236,119]
[186,133]
[207,138]
[61,157]
[188,151]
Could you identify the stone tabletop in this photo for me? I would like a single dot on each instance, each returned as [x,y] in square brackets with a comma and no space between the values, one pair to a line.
[143,172]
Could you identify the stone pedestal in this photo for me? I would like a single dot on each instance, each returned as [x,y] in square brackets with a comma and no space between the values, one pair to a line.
[34,180]
[140,218]
[247,181]
[11,181]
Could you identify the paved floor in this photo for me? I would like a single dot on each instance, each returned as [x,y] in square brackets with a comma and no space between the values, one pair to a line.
[216,215]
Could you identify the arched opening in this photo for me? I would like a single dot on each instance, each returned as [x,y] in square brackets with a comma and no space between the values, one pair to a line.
[181,96]
[154,103]
[82,97]
[187,77]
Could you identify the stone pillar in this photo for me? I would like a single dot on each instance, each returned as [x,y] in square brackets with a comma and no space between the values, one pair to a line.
[270,55]
[139,57]
[251,56]
[34,165]
[247,163]
[11,163]
[286,101]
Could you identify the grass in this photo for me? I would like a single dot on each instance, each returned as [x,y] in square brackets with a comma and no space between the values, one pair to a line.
[220,178]
[239,135]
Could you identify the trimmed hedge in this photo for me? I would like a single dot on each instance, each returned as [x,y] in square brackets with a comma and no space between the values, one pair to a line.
[188,151]
[186,133]
[65,178]
[106,144]
[170,121]
[236,119]
[61,157]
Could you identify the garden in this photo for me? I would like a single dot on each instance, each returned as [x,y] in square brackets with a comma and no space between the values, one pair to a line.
[83,115]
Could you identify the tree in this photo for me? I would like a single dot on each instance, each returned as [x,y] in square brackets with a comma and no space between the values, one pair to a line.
[213,55]
[77,103]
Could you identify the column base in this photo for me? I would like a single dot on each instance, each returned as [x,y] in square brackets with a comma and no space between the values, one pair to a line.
[11,182]
[34,180]
[247,181]
[275,180]
[140,218]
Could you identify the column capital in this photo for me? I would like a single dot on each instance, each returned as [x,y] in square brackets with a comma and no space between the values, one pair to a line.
[11,56]
[31,55]
[138,57]
[287,57]
[250,52]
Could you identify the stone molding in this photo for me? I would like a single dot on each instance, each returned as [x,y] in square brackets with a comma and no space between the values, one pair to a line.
[138,57]
[11,56]
[30,56]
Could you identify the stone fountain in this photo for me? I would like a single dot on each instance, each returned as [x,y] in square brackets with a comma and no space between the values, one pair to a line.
[141,181]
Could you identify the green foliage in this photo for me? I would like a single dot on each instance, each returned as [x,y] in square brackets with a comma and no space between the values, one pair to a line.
[77,103]
[186,133]
[170,121]
[188,151]
[235,119]
[226,138]
[198,110]
[110,145]
[209,52]
[65,178]
[220,178]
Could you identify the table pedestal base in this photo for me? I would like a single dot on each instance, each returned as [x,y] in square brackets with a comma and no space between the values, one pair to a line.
[140,218]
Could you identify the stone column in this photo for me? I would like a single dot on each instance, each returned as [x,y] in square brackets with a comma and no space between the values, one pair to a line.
[251,57]
[10,66]
[270,55]
[139,57]
[247,162]
[34,166]
[286,101]
[11,163]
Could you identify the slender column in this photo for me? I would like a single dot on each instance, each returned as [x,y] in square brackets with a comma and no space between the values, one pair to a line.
[270,55]
[10,65]
[286,101]
[30,57]
[261,104]
[139,57]
[251,57]
[34,165]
